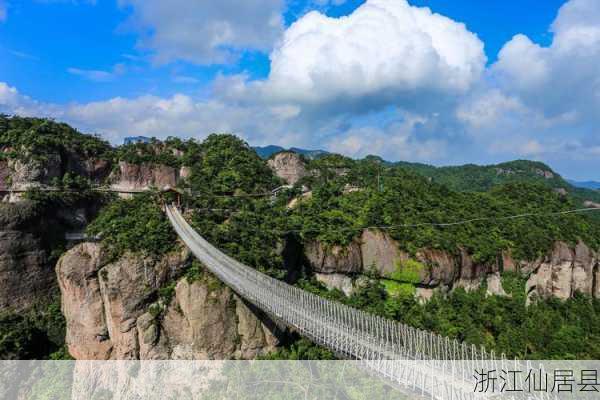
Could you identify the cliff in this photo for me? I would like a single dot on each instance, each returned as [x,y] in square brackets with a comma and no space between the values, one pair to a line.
[563,272]
[143,308]
[288,166]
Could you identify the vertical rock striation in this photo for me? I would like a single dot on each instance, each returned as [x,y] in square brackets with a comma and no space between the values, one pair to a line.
[114,310]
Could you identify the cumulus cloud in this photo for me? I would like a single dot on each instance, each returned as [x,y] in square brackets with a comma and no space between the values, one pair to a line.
[179,115]
[388,79]
[392,141]
[543,101]
[385,49]
[205,32]
[563,77]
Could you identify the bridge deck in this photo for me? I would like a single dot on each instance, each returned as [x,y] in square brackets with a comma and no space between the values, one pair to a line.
[421,362]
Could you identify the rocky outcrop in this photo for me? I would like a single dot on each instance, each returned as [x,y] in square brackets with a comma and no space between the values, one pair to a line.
[26,174]
[95,169]
[204,322]
[77,272]
[26,274]
[288,166]
[564,272]
[591,204]
[340,282]
[114,311]
[543,173]
[4,175]
[25,277]
[143,176]
[380,253]
[334,259]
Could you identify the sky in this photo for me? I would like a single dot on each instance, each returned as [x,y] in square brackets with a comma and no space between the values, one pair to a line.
[434,81]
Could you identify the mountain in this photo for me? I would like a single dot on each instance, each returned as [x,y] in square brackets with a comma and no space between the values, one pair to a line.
[585,185]
[417,268]
[480,178]
[267,151]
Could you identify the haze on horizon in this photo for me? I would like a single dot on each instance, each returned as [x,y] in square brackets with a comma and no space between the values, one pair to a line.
[467,82]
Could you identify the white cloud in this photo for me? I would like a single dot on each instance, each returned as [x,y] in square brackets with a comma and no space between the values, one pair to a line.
[385,48]
[205,32]
[393,141]
[543,101]
[563,77]
[179,115]
[389,79]
[99,75]
[184,79]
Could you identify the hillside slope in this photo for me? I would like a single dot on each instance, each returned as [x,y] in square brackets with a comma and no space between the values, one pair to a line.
[362,232]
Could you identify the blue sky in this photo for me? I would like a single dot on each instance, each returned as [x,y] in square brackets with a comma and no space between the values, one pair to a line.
[415,86]
[41,40]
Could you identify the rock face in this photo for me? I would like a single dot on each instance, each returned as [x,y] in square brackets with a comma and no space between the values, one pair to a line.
[337,281]
[288,166]
[334,259]
[565,272]
[20,174]
[26,273]
[380,252]
[561,274]
[591,204]
[24,175]
[204,322]
[143,176]
[4,175]
[113,311]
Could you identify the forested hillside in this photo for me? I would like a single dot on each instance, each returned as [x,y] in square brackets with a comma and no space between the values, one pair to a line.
[463,213]
[482,178]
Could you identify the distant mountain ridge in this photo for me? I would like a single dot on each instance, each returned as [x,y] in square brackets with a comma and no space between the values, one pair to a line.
[585,185]
[267,151]
[475,178]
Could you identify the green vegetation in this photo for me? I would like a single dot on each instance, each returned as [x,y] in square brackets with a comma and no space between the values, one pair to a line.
[172,152]
[396,197]
[550,329]
[300,349]
[36,334]
[227,195]
[483,178]
[408,271]
[37,139]
[138,225]
[227,212]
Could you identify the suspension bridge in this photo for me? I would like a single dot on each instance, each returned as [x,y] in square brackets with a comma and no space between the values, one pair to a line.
[420,363]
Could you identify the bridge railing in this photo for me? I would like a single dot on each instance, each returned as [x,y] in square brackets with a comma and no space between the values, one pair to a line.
[432,365]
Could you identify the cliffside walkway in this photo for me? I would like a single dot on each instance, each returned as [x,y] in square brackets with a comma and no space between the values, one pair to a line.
[421,363]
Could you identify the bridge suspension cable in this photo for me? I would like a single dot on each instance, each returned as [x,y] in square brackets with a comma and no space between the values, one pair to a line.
[414,360]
